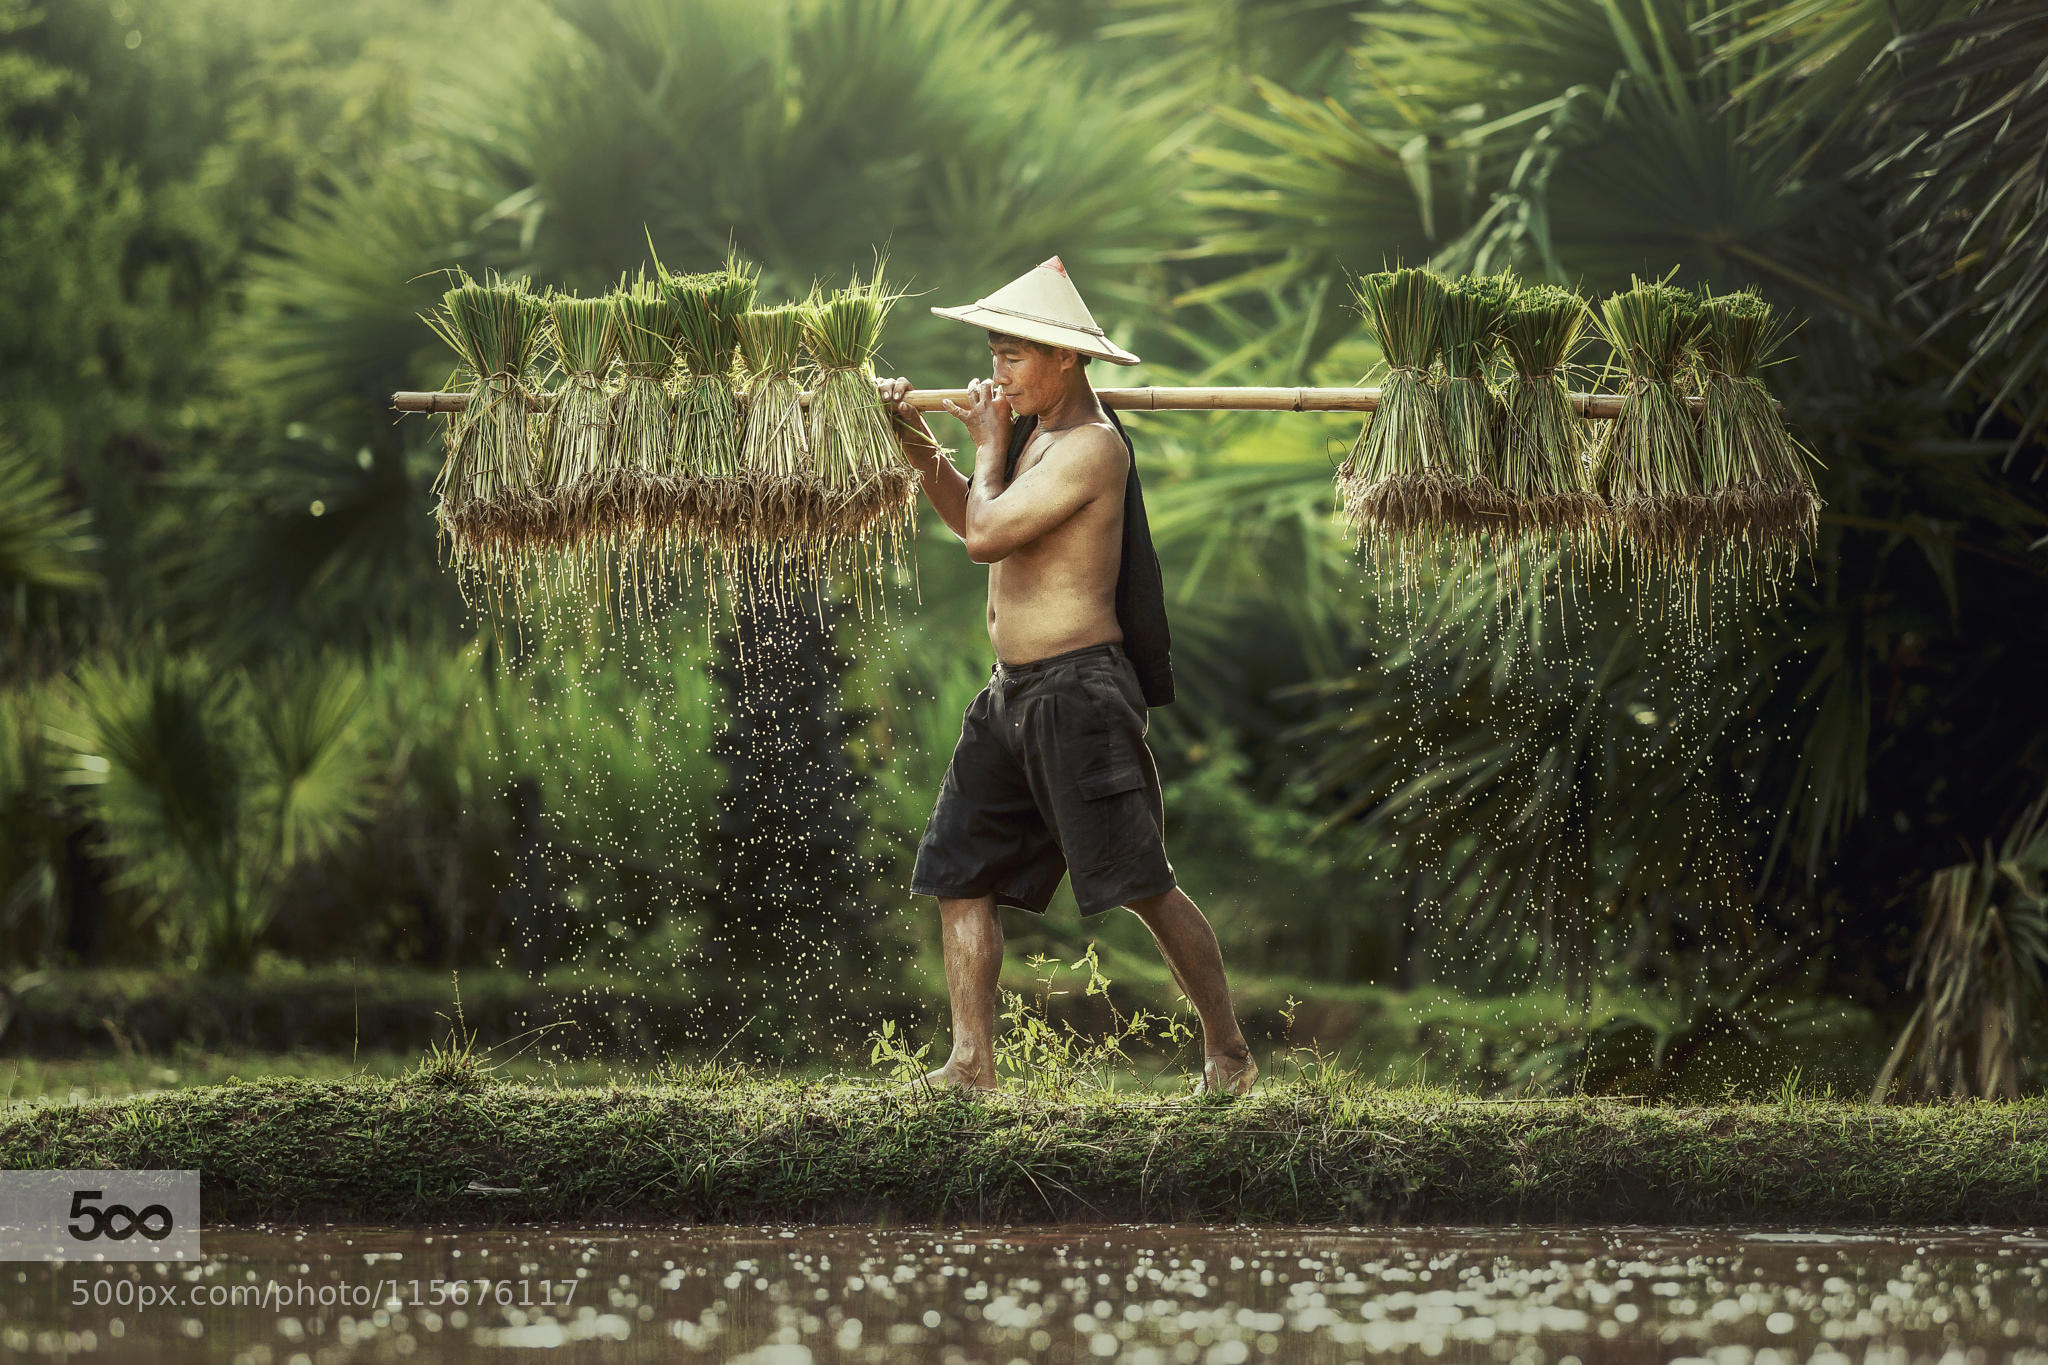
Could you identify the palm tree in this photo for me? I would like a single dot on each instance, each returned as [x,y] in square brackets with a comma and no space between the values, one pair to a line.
[1188,54]
[212,791]
[45,558]
[582,134]
[1581,141]
[1946,100]
[808,135]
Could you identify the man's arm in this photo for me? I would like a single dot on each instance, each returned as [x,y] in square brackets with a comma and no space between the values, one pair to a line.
[1082,465]
[946,486]
[941,481]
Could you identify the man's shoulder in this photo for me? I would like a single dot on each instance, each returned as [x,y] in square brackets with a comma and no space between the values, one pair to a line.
[1095,447]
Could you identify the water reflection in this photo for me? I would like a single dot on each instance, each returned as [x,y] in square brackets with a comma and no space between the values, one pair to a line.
[1148,1295]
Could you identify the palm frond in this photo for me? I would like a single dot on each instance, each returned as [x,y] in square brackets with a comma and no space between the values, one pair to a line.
[156,751]
[1965,129]
[314,775]
[45,544]
[1981,963]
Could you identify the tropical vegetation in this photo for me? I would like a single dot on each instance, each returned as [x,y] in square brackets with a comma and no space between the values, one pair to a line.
[246,716]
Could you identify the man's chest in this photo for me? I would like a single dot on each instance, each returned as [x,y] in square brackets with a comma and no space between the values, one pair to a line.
[1033,452]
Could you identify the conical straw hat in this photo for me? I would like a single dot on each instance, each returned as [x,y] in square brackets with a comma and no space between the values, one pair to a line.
[1042,305]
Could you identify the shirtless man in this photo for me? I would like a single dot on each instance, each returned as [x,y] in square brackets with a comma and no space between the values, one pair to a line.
[1052,774]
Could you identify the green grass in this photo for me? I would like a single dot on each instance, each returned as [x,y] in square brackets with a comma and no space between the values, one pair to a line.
[75,1080]
[1095,1122]
[451,1140]
[333,1009]
[108,1033]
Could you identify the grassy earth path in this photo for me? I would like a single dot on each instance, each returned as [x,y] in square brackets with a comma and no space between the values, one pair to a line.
[450,1144]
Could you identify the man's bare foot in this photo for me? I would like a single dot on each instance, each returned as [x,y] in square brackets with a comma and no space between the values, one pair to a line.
[1228,1075]
[958,1076]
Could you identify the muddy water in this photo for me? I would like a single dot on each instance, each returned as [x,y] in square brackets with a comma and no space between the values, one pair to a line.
[1156,1294]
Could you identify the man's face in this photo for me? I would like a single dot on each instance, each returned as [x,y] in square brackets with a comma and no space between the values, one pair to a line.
[1032,377]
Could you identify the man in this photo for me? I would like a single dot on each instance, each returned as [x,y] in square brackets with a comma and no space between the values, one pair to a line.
[1052,775]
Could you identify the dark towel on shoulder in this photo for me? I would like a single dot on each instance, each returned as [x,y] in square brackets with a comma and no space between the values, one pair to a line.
[1140,588]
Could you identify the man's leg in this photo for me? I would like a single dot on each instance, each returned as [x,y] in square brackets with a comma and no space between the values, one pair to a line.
[1189,946]
[972,938]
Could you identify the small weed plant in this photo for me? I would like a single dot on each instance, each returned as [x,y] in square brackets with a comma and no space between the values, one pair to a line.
[889,1048]
[1050,1058]
[458,1065]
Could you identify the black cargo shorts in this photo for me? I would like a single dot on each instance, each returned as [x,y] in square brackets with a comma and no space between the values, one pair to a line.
[1051,777]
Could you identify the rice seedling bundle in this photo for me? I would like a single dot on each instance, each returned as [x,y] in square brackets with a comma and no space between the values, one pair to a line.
[868,487]
[1543,439]
[1473,309]
[577,431]
[1398,480]
[1646,463]
[486,491]
[710,417]
[785,504]
[645,494]
[1757,477]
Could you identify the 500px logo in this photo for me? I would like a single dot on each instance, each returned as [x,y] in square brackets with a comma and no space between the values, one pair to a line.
[99,1215]
[117,1221]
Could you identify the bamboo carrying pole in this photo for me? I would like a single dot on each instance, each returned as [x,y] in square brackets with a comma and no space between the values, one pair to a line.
[1598,406]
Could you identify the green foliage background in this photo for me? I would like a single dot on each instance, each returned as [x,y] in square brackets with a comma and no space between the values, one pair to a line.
[245,713]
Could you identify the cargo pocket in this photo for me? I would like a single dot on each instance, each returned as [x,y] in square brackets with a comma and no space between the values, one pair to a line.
[1115,762]
[1102,782]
